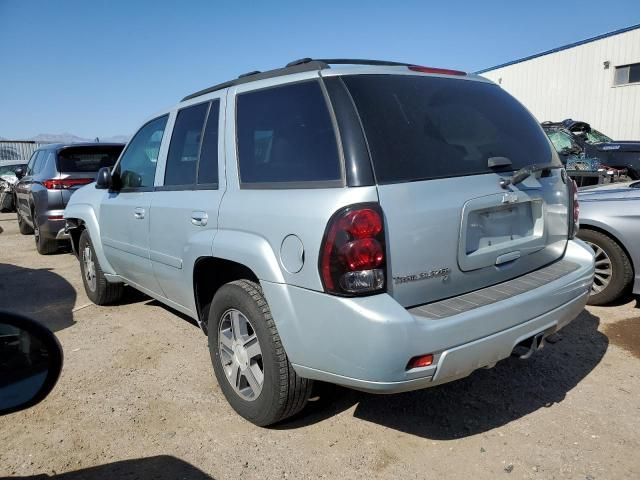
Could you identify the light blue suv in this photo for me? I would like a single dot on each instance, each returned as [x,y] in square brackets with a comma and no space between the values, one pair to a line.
[378,225]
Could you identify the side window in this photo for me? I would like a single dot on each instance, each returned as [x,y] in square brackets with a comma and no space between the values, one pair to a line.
[39,163]
[32,162]
[285,134]
[184,149]
[208,165]
[137,167]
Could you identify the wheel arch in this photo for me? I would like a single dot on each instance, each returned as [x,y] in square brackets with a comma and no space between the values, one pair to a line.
[613,235]
[84,217]
[211,273]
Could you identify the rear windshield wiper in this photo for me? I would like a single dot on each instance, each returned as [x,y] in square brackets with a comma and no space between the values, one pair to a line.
[525,172]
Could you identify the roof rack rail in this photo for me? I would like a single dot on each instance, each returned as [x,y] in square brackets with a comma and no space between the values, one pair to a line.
[248,74]
[301,65]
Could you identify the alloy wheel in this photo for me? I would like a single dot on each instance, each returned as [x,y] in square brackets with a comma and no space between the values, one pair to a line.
[604,269]
[89,268]
[240,354]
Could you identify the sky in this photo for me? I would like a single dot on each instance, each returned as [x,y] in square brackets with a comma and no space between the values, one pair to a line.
[100,68]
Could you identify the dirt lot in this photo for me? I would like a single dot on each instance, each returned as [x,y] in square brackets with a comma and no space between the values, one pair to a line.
[138,399]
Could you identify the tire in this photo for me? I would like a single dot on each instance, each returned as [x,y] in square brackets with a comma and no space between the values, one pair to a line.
[22,226]
[614,272]
[98,289]
[283,393]
[45,246]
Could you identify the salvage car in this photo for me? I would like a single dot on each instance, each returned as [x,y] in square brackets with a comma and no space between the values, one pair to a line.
[8,180]
[378,225]
[53,173]
[610,224]
[590,143]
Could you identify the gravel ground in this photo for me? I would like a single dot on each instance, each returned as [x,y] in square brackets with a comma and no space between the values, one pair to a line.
[137,399]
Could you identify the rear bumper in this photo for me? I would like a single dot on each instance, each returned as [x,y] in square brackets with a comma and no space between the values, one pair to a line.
[52,228]
[365,343]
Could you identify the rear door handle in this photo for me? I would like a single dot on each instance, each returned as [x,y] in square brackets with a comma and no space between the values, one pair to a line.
[199,219]
[138,213]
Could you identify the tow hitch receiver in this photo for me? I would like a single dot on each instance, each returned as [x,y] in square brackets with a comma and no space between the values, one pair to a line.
[527,347]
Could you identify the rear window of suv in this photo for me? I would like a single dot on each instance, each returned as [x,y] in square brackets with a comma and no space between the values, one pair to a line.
[421,128]
[88,159]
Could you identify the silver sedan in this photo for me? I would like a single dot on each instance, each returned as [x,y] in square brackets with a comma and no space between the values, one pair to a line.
[610,224]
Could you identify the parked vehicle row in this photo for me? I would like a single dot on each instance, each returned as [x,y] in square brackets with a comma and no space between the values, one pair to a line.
[45,185]
[378,225]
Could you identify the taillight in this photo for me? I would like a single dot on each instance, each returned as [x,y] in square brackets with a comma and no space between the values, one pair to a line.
[352,256]
[439,71]
[574,225]
[65,183]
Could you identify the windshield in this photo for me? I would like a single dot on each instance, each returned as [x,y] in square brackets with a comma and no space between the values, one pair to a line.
[88,159]
[421,127]
[595,136]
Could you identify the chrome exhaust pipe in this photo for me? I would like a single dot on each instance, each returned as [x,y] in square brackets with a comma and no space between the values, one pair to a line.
[527,347]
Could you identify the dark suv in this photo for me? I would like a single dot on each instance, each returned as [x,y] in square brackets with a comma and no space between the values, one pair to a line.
[53,173]
[571,137]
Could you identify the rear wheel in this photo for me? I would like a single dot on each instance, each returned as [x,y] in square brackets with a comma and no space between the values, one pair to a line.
[98,289]
[248,358]
[613,273]
[45,246]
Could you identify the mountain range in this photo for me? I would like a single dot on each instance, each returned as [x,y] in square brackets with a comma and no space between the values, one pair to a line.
[71,138]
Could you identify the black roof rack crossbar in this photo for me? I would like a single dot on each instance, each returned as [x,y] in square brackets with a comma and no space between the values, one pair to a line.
[297,66]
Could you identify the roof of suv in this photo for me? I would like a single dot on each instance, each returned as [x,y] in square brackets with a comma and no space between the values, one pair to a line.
[310,64]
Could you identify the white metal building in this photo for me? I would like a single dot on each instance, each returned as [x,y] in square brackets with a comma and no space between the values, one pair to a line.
[595,80]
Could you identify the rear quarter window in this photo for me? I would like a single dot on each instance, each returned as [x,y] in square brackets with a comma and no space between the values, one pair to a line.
[285,135]
[421,128]
[87,159]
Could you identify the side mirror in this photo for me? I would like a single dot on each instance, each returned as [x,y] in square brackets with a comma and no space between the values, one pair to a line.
[19,172]
[30,362]
[103,180]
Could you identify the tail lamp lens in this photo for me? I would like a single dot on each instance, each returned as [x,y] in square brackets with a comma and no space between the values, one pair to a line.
[575,204]
[352,257]
[65,183]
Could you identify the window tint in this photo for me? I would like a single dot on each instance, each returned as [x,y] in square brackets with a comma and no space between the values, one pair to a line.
[184,149]
[208,165]
[88,159]
[137,167]
[285,134]
[422,127]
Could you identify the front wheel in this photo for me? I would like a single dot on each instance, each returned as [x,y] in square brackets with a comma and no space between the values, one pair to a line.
[614,272]
[248,358]
[98,289]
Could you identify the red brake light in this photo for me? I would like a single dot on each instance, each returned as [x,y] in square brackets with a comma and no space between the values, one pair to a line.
[352,256]
[439,71]
[575,207]
[65,183]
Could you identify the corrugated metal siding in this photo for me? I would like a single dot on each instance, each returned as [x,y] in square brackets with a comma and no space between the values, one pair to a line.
[17,150]
[573,83]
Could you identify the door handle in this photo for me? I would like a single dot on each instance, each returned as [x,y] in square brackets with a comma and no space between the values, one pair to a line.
[199,219]
[138,213]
